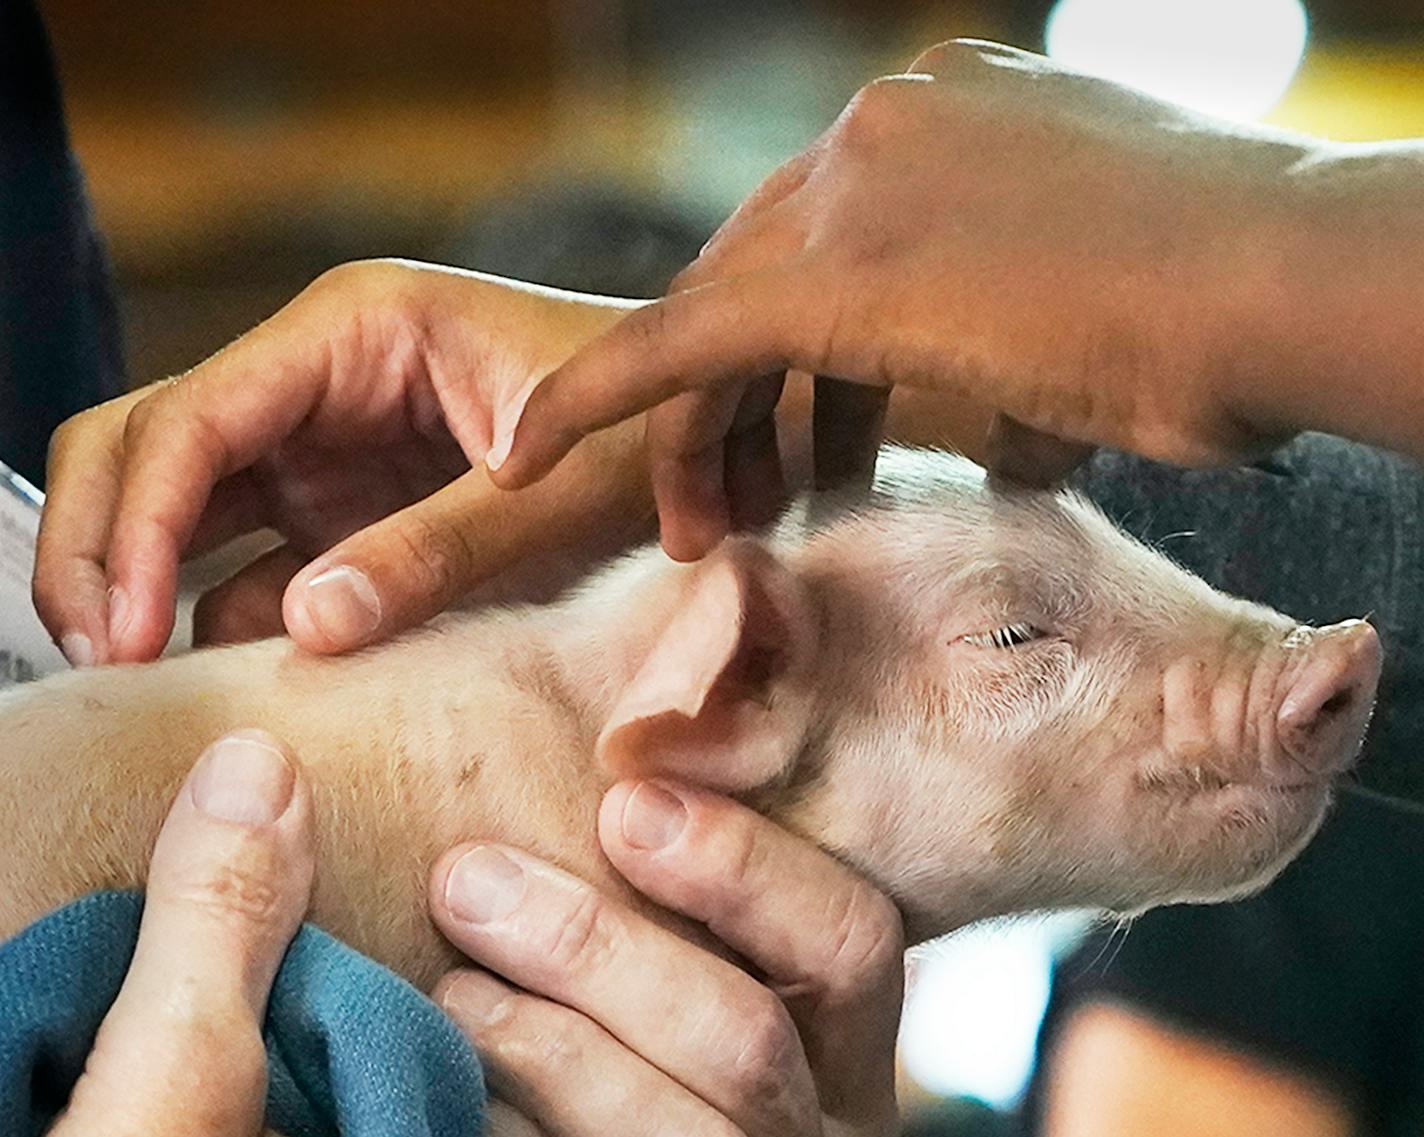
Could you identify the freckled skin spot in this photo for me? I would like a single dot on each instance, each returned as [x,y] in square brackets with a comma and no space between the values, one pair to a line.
[469,771]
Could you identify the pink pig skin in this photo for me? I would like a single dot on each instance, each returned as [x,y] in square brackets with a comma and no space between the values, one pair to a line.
[987,701]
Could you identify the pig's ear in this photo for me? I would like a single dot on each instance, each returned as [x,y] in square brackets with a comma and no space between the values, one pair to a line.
[724,698]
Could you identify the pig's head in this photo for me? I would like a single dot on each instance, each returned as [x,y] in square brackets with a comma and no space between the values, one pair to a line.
[996,701]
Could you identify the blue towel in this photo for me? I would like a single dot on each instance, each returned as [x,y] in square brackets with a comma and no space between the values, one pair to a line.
[352,1049]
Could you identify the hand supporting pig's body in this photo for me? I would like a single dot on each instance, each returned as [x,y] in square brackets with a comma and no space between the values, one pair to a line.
[230,878]
[986,702]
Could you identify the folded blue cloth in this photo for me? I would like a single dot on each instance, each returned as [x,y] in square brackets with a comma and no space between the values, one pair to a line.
[352,1049]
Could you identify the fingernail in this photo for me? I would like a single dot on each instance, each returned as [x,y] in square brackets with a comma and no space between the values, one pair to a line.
[344,604]
[499,451]
[77,648]
[118,613]
[243,778]
[474,1000]
[652,817]
[484,885]
[505,423]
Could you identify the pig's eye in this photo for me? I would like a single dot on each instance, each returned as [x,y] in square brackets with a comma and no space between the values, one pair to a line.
[1010,635]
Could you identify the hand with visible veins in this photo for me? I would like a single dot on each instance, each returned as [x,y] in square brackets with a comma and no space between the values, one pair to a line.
[591,1019]
[228,886]
[1094,266]
[348,422]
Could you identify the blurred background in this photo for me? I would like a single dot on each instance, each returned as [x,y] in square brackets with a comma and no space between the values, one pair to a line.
[235,149]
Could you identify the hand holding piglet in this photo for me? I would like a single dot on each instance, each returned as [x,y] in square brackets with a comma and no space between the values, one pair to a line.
[347,423]
[617,1025]
[230,879]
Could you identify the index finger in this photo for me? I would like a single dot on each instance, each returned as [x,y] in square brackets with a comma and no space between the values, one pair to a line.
[826,940]
[182,440]
[707,336]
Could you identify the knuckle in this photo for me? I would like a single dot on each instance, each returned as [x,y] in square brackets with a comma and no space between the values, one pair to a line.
[868,945]
[947,57]
[48,598]
[559,1049]
[346,277]
[768,1049]
[221,1035]
[68,433]
[146,416]
[652,323]
[542,1042]
[356,289]
[746,854]
[50,592]
[696,272]
[874,113]
[233,894]
[587,940]
[438,558]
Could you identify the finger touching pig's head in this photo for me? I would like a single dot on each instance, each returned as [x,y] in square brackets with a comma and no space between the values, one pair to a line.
[995,701]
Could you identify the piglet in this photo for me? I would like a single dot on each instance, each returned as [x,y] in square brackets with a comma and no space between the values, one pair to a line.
[987,701]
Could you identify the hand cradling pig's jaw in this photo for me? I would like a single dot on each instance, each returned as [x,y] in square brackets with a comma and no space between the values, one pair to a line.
[1089,724]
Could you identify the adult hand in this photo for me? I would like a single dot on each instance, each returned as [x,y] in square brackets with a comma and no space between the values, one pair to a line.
[606,1022]
[1090,262]
[181,1050]
[347,422]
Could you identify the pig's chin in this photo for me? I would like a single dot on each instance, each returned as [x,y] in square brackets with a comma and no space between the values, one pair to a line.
[1245,831]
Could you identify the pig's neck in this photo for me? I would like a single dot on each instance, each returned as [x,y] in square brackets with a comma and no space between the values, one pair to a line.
[484,727]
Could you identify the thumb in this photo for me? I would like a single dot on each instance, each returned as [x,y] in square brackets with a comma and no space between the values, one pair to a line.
[392,575]
[414,564]
[181,1050]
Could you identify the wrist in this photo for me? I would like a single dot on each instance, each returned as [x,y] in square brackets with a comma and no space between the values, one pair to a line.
[1332,341]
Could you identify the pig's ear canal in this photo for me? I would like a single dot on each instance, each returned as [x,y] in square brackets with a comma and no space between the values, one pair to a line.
[724,697]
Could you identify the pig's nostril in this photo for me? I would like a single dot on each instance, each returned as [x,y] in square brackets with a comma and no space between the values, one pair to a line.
[1338,702]
[1303,716]
[1329,693]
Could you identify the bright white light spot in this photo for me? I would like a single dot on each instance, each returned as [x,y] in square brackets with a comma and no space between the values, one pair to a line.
[972,1017]
[1233,58]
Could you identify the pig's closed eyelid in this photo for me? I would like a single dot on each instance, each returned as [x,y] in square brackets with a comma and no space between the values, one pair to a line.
[1006,636]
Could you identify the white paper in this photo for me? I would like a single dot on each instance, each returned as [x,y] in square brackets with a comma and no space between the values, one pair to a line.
[26,651]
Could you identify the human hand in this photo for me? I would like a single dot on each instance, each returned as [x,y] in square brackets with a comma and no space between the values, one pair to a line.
[605,1022]
[181,1051]
[1093,264]
[348,423]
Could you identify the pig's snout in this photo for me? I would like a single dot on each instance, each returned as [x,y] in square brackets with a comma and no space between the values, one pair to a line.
[1328,695]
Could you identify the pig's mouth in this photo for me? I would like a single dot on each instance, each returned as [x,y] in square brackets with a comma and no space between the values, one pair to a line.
[1202,781]
[1235,830]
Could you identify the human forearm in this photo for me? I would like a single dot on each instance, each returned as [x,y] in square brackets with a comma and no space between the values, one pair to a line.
[1338,342]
